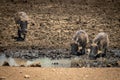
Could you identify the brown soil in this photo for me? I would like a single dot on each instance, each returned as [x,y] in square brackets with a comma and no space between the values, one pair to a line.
[57,21]
[16,73]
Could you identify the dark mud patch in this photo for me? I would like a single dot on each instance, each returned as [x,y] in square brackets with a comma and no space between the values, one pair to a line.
[58,58]
[34,53]
[43,62]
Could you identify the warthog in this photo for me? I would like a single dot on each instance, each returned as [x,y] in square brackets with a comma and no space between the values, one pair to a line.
[21,19]
[80,39]
[100,43]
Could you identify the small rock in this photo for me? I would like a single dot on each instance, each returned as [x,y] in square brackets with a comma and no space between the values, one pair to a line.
[22,65]
[27,76]
[86,75]
[118,63]
[55,63]
[2,78]
[53,70]
[36,64]
[20,71]
[5,63]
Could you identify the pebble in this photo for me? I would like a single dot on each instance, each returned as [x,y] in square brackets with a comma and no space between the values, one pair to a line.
[20,71]
[2,78]
[118,63]
[5,63]
[35,64]
[53,70]
[27,76]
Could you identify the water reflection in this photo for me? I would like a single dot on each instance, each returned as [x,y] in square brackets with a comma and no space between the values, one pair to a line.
[45,62]
[10,60]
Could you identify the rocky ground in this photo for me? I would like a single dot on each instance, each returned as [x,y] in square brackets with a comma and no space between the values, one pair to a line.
[57,21]
[112,59]
[13,73]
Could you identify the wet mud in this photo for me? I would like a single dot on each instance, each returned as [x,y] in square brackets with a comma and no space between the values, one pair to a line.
[58,58]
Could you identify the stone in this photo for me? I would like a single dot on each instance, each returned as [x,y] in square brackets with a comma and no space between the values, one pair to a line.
[35,64]
[2,78]
[27,76]
[5,63]
[22,65]
[55,63]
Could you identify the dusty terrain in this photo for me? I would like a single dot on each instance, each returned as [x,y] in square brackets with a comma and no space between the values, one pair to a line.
[16,73]
[57,21]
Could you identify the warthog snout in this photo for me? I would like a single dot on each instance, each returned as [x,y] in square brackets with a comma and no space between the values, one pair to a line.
[93,51]
[74,48]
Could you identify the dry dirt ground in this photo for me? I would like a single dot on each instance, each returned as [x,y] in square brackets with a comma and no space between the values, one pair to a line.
[56,21]
[16,73]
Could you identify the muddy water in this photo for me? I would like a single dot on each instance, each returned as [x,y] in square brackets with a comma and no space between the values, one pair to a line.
[10,60]
[45,62]
[23,58]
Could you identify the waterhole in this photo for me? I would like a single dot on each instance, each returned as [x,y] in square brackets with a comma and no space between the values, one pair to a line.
[44,61]
[112,59]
